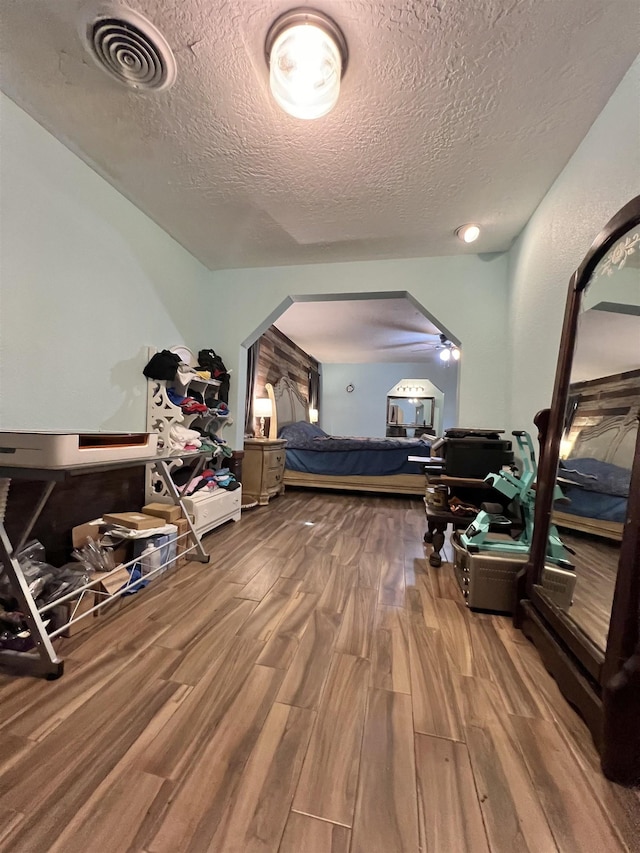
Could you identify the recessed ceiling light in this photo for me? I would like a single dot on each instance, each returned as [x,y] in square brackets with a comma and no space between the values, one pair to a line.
[468,233]
[307,56]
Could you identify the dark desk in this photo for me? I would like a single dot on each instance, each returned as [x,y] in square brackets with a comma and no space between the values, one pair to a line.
[467,490]
[437,522]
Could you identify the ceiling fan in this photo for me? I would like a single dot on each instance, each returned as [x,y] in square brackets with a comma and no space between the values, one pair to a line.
[448,351]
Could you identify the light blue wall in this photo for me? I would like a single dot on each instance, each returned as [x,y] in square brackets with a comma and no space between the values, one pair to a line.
[602,175]
[87,282]
[363,412]
[466,294]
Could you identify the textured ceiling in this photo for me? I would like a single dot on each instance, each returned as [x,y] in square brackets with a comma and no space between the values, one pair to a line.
[451,111]
[358,331]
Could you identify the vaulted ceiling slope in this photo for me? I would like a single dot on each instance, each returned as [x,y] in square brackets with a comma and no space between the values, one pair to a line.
[450,112]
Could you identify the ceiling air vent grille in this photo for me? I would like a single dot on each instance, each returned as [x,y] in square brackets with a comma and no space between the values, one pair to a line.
[128,47]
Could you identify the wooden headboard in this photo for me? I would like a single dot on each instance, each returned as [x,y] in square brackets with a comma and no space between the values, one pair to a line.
[287,404]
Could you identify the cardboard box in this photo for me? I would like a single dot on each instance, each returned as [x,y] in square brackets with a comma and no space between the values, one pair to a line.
[74,608]
[81,534]
[108,584]
[132,520]
[92,530]
[184,542]
[170,512]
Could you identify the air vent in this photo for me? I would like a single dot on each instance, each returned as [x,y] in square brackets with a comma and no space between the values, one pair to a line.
[128,47]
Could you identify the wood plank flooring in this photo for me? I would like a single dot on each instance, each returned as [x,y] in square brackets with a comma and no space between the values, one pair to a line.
[318,688]
[596,562]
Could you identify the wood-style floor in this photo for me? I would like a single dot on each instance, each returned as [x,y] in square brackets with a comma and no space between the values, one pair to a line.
[596,562]
[317,689]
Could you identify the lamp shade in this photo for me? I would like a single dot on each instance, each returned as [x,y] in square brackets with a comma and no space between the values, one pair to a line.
[262,407]
[313,416]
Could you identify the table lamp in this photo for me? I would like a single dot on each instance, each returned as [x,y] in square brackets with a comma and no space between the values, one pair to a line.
[262,410]
[313,416]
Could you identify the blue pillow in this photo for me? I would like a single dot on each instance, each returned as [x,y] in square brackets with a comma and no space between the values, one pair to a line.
[301,433]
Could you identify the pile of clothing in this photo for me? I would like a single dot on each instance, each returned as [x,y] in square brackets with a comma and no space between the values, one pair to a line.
[189,405]
[213,403]
[209,479]
[462,509]
[169,366]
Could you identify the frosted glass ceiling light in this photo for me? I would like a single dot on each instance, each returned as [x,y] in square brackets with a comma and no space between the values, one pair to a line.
[468,233]
[307,56]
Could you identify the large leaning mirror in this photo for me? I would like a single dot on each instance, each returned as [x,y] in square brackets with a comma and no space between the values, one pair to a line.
[599,437]
[588,491]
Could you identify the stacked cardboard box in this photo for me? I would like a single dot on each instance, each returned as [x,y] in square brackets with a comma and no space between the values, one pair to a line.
[184,542]
[169,512]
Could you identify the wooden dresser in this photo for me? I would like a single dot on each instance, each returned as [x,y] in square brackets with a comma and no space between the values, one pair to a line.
[263,469]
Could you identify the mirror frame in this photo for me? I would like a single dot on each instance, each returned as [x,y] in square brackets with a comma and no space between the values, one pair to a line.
[432,410]
[589,679]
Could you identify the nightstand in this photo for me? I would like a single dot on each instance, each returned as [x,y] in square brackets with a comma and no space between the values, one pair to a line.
[263,469]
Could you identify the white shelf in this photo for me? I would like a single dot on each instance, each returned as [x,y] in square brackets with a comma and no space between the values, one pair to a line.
[162,414]
[197,380]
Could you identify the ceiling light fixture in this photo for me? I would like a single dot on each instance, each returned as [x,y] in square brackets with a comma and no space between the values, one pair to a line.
[307,55]
[448,350]
[468,233]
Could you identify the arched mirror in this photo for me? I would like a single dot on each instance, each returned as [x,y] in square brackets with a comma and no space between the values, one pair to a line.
[588,488]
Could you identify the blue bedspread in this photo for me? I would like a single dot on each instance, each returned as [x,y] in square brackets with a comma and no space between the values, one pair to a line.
[594,505]
[597,490]
[311,450]
[592,475]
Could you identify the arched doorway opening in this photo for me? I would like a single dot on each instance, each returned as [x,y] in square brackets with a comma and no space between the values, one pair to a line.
[367,341]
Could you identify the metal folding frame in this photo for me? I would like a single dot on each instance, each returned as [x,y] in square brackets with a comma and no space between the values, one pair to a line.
[43,658]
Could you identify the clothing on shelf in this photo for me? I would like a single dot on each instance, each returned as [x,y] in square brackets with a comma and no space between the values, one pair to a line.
[188,411]
[162,365]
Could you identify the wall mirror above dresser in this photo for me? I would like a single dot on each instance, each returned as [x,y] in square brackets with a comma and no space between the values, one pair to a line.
[409,416]
[589,487]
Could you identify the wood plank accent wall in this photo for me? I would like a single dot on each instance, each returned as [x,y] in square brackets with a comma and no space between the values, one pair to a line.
[600,404]
[279,356]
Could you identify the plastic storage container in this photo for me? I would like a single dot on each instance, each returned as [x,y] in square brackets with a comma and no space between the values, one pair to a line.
[487,578]
[150,560]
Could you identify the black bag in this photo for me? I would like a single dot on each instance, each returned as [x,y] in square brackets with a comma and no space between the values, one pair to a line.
[162,365]
[209,360]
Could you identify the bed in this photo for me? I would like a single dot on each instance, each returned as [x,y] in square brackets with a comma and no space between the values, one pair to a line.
[598,449]
[317,460]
